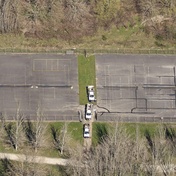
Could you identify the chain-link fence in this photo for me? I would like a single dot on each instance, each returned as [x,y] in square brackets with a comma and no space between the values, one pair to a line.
[134,118]
[88,51]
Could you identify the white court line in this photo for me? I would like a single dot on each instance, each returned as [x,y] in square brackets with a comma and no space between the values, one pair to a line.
[105,83]
[25,76]
[68,75]
[147,74]
[57,64]
[52,64]
[110,83]
[126,104]
[46,63]
[54,93]
[106,71]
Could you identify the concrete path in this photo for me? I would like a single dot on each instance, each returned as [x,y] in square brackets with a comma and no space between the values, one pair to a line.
[34,159]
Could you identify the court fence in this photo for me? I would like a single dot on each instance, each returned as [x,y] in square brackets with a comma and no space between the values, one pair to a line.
[89,51]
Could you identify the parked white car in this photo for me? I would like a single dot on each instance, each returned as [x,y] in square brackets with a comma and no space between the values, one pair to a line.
[89,111]
[86,130]
[91,93]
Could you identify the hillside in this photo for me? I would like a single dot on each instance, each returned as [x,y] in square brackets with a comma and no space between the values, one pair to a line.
[88,23]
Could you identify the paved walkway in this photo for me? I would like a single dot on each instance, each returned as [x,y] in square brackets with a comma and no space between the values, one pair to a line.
[34,159]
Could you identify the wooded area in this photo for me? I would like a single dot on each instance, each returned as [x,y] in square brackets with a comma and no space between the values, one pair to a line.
[118,153]
[73,19]
[118,150]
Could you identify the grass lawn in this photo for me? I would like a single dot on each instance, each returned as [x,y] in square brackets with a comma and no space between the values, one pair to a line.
[102,128]
[86,71]
[112,39]
[74,131]
[124,40]
[74,134]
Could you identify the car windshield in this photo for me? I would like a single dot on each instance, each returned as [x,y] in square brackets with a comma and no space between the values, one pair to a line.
[88,113]
[91,95]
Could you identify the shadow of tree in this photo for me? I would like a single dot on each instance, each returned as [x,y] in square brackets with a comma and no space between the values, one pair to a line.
[150,142]
[170,133]
[5,167]
[9,129]
[101,132]
[29,131]
[63,170]
[55,135]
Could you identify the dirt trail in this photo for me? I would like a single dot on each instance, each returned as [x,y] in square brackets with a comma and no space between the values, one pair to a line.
[34,159]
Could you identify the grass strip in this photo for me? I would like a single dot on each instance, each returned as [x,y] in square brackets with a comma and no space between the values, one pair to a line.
[86,71]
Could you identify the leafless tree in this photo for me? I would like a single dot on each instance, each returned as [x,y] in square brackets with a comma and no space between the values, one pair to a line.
[8,15]
[115,155]
[152,8]
[24,168]
[61,137]
[120,154]
[160,151]
[14,130]
[35,131]
[165,144]
[77,21]
[2,118]
[42,18]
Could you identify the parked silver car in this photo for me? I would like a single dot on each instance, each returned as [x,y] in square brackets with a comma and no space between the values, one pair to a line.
[86,130]
[89,111]
[91,93]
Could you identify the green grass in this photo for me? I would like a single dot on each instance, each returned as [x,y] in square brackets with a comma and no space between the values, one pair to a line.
[75,135]
[19,43]
[99,129]
[74,130]
[113,39]
[86,71]
[102,128]
[142,127]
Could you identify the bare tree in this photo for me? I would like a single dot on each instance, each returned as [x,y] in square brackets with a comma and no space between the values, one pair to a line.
[160,151]
[77,21]
[2,118]
[165,146]
[106,10]
[35,131]
[153,8]
[8,15]
[24,168]
[61,137]
[115,155]
[14,130]
[119,154]
[42,18]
